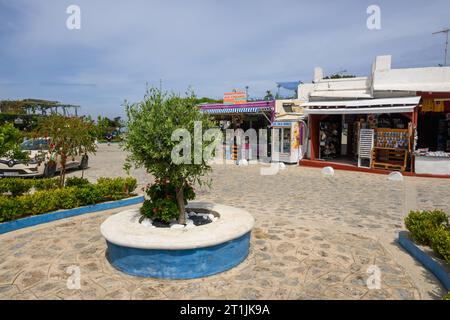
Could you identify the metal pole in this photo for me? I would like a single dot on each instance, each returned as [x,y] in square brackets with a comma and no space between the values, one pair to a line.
[446,43]
[446,49]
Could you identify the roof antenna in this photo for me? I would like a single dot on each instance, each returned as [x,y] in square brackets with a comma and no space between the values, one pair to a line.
[446,43]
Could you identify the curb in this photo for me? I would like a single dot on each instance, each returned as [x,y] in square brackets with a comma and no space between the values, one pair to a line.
[424,259]
[57,215]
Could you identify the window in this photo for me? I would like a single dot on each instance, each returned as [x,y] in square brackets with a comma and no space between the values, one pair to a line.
[286,142]
[287,107]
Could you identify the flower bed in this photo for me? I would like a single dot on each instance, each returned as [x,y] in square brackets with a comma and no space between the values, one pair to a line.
[20,197]
[431,228]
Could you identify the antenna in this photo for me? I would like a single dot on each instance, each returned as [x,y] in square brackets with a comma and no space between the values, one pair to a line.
[446,43]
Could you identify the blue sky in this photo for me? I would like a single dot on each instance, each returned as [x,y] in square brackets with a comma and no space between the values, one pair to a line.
[210,45]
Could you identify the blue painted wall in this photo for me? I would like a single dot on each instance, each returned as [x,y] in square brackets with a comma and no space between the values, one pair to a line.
[426,260]
[179,264]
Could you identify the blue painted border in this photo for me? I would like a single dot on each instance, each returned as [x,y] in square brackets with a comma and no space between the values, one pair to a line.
[62,214]
[424,259]
[179,264]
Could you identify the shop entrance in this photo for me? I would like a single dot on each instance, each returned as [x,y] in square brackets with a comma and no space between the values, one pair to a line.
[434,131]
[339,134]
[246,121]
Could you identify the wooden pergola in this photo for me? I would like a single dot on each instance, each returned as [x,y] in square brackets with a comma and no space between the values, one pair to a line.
[37,107]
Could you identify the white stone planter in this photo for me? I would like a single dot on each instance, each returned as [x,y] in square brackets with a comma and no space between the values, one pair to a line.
[179,253]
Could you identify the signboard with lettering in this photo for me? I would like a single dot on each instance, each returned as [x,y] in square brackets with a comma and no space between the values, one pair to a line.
[235,97]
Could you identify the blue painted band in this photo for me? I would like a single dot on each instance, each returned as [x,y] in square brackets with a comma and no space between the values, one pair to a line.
[57,215]
[425,259]
[179,264]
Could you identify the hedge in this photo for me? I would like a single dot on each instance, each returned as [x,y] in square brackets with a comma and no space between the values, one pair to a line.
[79,194]
[19,186]
[431,228]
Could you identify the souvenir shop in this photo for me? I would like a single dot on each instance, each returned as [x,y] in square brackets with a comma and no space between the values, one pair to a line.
[432,154]
[250,115]
[376,133]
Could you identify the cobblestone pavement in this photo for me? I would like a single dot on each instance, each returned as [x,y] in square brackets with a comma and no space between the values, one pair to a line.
[315,238]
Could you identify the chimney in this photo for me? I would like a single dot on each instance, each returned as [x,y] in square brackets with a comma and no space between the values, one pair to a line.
[318,74]
[382,63]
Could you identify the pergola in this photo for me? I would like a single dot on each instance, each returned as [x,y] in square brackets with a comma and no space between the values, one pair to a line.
[36,106]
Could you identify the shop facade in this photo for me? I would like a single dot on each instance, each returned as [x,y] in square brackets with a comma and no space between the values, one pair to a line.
[375,133]
[291,126]
[255,115]
[432,155]
[392,120]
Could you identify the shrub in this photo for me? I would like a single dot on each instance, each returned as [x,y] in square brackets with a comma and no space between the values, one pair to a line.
[447,296]
[116,188]
[9,208]
[440,242]
[89,194]
[162,204]
[46,184]
[15,186]
[422,224]
[77,182]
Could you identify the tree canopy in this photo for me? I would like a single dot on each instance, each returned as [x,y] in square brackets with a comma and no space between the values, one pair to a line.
[149,139]
[69,136]
[10,139]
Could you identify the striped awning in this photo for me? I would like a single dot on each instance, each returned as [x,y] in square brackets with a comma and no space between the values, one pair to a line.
[236,110]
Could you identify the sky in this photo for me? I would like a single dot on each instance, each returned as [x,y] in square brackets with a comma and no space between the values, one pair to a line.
[210,46]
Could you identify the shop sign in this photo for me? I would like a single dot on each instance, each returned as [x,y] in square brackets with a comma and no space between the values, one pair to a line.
[235,97]
[281,124]
[432,105]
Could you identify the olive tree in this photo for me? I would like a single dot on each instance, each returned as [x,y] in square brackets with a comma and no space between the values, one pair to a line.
[150,139]
[69,137]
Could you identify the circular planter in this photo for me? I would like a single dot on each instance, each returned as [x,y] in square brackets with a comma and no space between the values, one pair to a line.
[178,253]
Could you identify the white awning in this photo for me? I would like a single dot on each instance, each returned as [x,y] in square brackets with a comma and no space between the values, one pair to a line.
[392,105]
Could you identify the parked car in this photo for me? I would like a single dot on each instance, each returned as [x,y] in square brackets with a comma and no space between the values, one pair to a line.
[42,161]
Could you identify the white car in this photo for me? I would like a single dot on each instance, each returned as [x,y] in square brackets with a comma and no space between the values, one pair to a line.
[42,161]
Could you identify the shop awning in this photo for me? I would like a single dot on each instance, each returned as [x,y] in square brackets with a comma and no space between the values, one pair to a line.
[391,105]
[236,110]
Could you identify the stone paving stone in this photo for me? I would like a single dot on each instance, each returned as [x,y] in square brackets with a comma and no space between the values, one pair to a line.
[314,238]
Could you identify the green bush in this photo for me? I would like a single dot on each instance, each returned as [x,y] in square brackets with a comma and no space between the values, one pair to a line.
[89,194]
[43,201]
[422,224]
[440,242]
[15,186]
[162,204]
[77,182]
[431,228]
[447,296]
[46,184]
[115,188]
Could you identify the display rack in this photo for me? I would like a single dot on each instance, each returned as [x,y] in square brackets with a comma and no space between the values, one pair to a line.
[391,149]
[366,143]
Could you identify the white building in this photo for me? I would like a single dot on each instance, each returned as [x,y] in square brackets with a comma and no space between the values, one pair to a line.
[388,101]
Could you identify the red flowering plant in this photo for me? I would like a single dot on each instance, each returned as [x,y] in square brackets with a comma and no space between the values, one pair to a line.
[162,203]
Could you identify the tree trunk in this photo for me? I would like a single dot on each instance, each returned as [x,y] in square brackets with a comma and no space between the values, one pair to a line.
[180,202]
[62,177]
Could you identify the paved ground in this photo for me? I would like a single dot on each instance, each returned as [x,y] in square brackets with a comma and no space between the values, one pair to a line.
[315,238]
